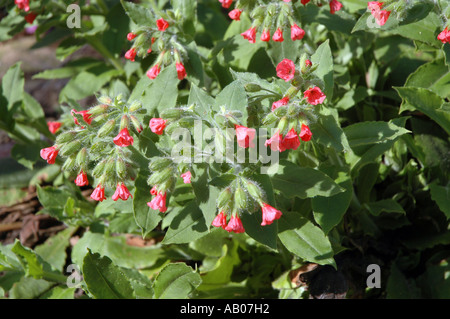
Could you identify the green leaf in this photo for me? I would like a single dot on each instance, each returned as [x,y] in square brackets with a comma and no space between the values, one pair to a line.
[441,195]
[434,75]
[104,279]
[233,97]
[70,69]
[59,293]
[176,281]
[30,261]
[385,205]
[328,132]
[303,182]
[201,99]
[188,225]
[305,240]
[399,287]
[324,59]
[163,92]
[29,288]
[138,14]
[12,85]
[26,154]
[366,133]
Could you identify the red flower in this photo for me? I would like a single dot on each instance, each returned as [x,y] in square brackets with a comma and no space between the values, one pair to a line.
[157,125]
[265,35]
[162,24]
[305,133]
[53,127]
[131,36]
[153,72]
[186,177]
[278,36]
[99,193]
[308,63]
[381,16]
[181,71]
[49,154]
[286,70]
[275,142]
[290,141]
[297,33]
[314,96]
[130,54]
[235,14]
[281,102]
[82,179]
[154,191]
[304,2]
[250,35]
[245,136]
[269,214]
[121,192]
[158,202]
[85,114]
[23,5]
[30,17]
[335,6]
[374,5]
[124,138]
[220,220]
[235,225]
[444,36]
[226,3]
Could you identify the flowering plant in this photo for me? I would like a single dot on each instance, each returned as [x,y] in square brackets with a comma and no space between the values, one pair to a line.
[245,144]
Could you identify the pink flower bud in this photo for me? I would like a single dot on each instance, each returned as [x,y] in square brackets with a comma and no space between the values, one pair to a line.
[314,96]
[335,6]
[186,177]
[235,14]
[285,70]
[245,136]
[235,225]
[131,36]
[269,214]
[220,220]
[157,125]
[153,72]
[265,35]
[278,36]
[290,141]
[308,63]
[305,133]
[131,54]
[123,139]
[181,71]
[250,35]
[53,127]
[49,154]
[121,192]
[162,24]
[297,33]
[99,193]
[82,179]
[281,102]
[158,202]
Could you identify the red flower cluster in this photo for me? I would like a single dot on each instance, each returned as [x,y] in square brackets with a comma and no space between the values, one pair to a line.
[291,141]
[159,201]
[381,16]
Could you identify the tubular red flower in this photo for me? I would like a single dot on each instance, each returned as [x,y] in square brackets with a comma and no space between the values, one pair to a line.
[123,139]
[121,192]
[226,3]
[245,136]
[86,116]
[290,141]
[444,36]
[297,33]
[49,154]
[162,24]
[304,2]
[186,177]
[131,36]
[282,102]
[275,142]
[53,126]
[181,71]
[131,54]
[30,17]
[381,16]
[250,35]
[220,220]
[308,63]
[158,202]
[285,70]
[305,133]
[235,225]
[374,5]
[23,5]
[265,35]
[335,6]
[99,193]
[278,35]
[314,96]
[269,214]
[157,125]
[154,191]
[82,179]
[235,14]
[153,72]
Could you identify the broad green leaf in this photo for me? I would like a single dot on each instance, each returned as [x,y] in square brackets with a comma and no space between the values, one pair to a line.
[366,133]
[12,85]
[30,261]
[324,59]
[305,240]
[328,132]
[163,92]
[441,195]
[233,97]
[104,279]
[435,280]
[59,293]
[399,287]
[138,13]
[29,288]
[385,205]
[303,182]
[211,244]
[26,154]
[201,99]
[176,281]
[187,226]
[434,76]
[71,69]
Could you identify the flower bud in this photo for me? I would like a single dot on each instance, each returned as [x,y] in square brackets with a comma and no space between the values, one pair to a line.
[240,198]
[121,168]
[99,168]
[98,147]
[252,87]
[160,45]
[107,128]
[283,124]
[81,159]
[70,148]
[65,137]
[136,105]
[292,110]
[173,113]
[270,118]
[110,167]
[159,163]
[124,122]
[254,191]
[98,109]
[271,9]
[224,198]
[100,118]
[105,99]
[136,123]
[280,111]
[69,164]
[160,177]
